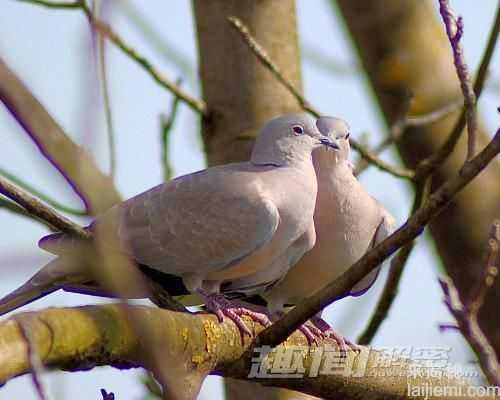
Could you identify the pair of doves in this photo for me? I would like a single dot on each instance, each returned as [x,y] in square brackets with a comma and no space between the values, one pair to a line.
[282,225]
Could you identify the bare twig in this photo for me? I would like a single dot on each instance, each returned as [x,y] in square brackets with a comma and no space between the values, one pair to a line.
[105,29]
[40,195]
[396,271]
[264,58]
[195,104]
[101,50]
[54,4]
[454,31]
[35,364]
[399,128]
[372,158]
[38,209]
[428,165]
[413,227]
[466,314]
[490,271]
[16,209]
[470,329]
[170,52]
[434,116]
[167,123]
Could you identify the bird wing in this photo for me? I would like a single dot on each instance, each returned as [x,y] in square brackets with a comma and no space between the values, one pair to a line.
[199,223]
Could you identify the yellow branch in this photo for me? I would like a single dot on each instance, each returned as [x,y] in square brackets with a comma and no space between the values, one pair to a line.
[82,337]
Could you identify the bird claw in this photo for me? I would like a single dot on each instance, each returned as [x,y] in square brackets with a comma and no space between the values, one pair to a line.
[222,307]
[312,333]
[328,332]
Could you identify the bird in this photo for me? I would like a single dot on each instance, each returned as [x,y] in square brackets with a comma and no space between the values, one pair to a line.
[215,226]
[348,222]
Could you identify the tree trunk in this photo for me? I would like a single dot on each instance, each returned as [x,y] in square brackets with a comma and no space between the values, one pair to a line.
[404,50]
[242,94]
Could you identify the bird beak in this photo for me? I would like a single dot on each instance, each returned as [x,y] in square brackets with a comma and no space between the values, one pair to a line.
[329,143]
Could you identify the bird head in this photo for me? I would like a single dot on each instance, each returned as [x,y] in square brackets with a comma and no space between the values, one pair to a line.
[288,138]
[335,131]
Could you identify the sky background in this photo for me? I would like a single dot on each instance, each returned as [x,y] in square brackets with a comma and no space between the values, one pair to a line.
[51,51]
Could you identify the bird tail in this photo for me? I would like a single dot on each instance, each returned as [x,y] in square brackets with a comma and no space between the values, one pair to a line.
[44,282]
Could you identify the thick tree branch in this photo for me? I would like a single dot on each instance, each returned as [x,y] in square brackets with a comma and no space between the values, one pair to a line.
[54,203]
[10,206]
[39,210]
[70,159]
[415,225]
[83,337]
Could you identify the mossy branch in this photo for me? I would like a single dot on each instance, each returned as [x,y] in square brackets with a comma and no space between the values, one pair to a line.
[80,338]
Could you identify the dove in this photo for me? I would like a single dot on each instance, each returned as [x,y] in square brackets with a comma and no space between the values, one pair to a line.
[348,222]
[218,225]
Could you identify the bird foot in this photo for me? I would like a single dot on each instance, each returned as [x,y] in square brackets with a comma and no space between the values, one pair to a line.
[328,332]
[222,307]
[312,333]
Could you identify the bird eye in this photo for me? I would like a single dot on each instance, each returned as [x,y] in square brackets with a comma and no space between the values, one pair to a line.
[298,129]
[347,136]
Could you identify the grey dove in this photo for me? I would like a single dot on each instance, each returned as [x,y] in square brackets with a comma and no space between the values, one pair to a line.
[348,222]
[218,225]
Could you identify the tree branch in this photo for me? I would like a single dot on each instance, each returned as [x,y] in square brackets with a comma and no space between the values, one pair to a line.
[167,123]
[54,4]
[42,196]
[80,338]
[373,159]
[16,209]
[399,128]
[454,31]
[39,210]
[70,159]
[428,165]
[466,314]
[103,69]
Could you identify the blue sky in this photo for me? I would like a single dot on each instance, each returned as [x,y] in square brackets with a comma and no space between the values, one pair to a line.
[49,49]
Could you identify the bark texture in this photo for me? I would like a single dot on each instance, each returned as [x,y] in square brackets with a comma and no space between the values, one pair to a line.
[240,93]
[404,51]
